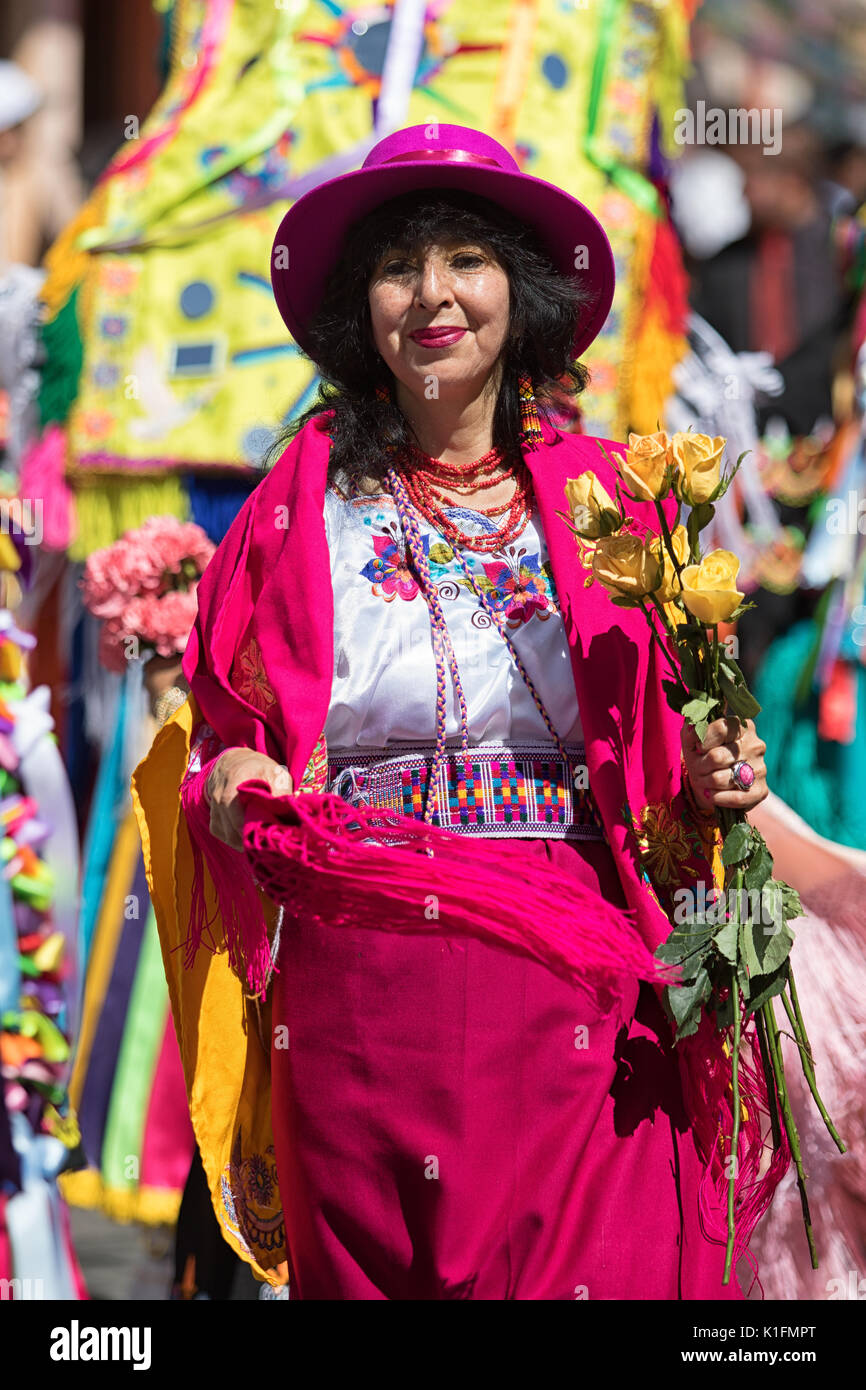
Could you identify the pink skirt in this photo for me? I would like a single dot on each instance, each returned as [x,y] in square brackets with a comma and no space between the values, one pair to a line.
[452,1120]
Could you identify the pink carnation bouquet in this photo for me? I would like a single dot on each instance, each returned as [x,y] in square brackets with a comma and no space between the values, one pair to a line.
[143,587]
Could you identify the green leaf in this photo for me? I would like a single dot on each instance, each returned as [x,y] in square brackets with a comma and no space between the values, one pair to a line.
[686,946]
[693,531]
[686,1001]
[677,696]
[699,711]
[723,1009]
[726,941]
[738,695]
[732,668]
[728,477]
[441,553]
[699,705]
[721,488]
[738,843]
[703,513]
[623,601]
[771,944]
[791,904]
[740,609]
[688,665]
[764,987]
[759,868]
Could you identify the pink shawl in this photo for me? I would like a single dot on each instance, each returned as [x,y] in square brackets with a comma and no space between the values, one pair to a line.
[260,665]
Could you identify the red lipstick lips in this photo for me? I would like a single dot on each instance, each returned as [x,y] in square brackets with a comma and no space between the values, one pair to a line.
[437,337]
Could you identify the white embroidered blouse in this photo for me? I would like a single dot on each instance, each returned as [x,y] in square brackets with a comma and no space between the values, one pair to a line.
[384,687]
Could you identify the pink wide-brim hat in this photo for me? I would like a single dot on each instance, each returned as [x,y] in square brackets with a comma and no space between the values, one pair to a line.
[313,232]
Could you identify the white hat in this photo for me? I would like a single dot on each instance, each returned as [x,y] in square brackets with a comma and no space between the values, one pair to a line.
[19,95]
[708,202]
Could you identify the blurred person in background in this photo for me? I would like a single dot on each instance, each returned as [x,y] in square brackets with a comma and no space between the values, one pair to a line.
[779,288]
[20,99]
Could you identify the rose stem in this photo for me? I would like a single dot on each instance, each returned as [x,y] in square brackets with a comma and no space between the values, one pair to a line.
[735,1134]
[670,632]
[659,607]
[656,637]
[803,1044]
[669,542]
[760,1028]
[775,1046]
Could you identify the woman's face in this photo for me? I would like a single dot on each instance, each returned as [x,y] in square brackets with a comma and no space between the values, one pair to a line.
[452,284]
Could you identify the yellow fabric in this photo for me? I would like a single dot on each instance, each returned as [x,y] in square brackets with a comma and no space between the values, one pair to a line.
[643,233]
[657,352]
[224,1045]
[66,262]
[152,1206]
[107,506]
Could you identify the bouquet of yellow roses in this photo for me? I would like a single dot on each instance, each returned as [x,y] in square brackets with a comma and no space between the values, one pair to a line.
[733,947]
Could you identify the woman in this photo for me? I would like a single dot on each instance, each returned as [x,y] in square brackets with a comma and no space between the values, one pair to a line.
[450,1117]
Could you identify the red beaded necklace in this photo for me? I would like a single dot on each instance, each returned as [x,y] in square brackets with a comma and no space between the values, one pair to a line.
[426,477]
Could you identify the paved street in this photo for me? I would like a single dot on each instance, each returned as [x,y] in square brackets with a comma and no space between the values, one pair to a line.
[127,1263]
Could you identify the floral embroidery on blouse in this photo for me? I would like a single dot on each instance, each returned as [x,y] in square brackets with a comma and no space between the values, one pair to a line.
[389,571]
[516,582]
[253,683]
[518,586]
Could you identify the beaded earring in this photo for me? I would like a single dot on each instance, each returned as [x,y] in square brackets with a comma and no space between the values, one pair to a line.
[530,425]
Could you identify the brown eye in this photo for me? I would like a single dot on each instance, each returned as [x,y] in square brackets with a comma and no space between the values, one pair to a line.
[398,266]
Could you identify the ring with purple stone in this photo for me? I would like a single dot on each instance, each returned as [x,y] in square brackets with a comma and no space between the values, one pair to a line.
[743,775]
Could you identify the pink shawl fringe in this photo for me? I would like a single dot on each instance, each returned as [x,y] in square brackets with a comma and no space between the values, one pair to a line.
[343,865]
[237,901]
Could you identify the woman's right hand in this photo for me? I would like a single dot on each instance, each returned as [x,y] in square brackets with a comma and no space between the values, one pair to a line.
[234,766]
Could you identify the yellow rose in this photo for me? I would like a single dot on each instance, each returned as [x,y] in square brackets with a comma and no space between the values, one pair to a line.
[698,459]
[710,590]
[670,585]
[593,512]
[624,565]
[644,466]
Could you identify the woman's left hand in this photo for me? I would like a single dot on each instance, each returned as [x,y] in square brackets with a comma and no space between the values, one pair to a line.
[709,764]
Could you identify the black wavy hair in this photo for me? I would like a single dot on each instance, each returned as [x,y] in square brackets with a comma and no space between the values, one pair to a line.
[544,308]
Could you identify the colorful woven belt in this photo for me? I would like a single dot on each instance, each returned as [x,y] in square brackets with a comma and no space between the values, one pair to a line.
[516,789]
